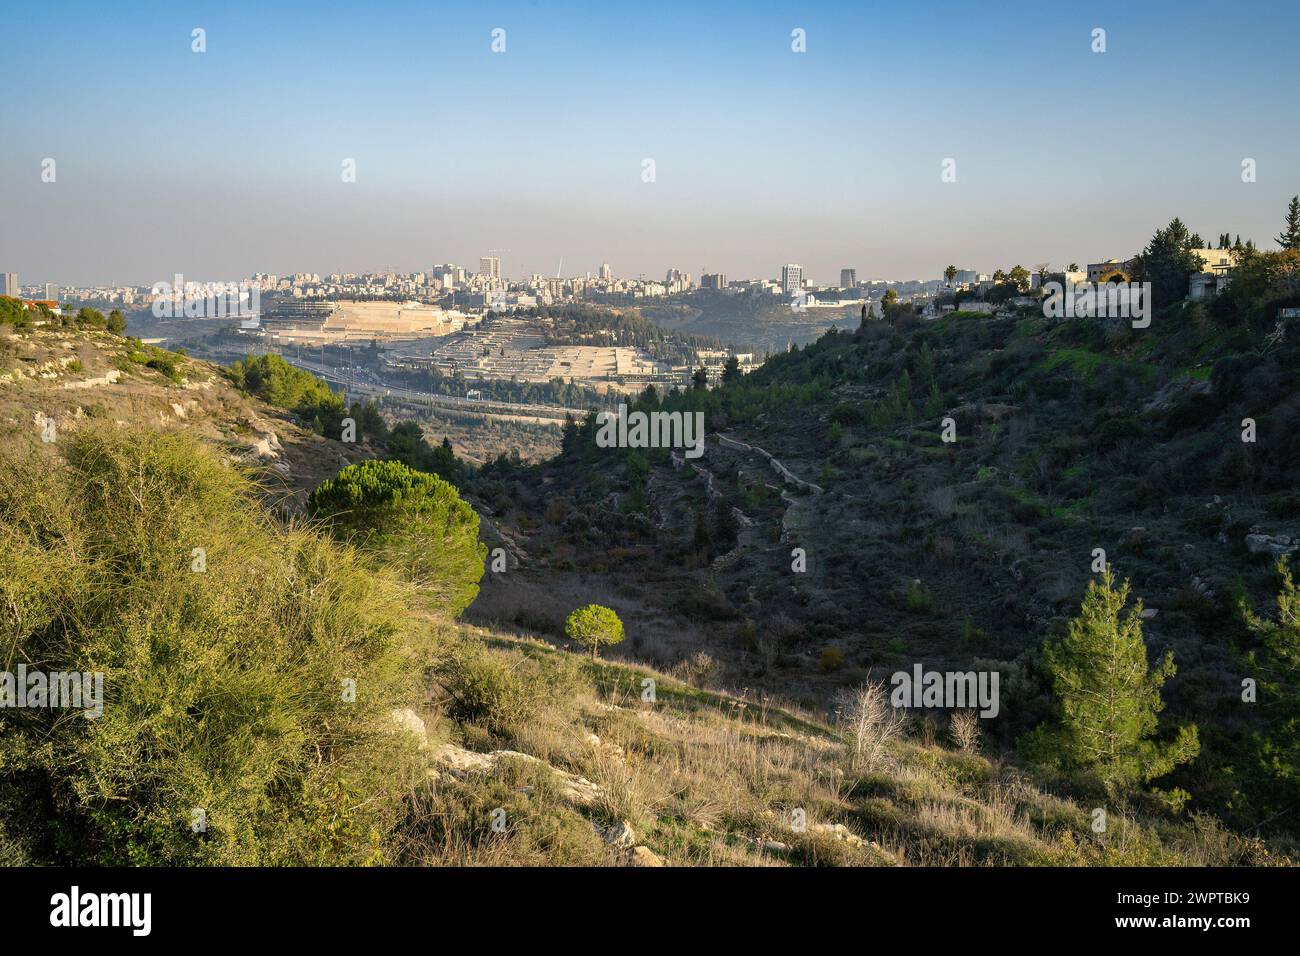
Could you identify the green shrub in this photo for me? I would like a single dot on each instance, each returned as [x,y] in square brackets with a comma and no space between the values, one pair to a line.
[918,598]
[481,689]
[410,520]
[224,669]
[167,365]
[13,312]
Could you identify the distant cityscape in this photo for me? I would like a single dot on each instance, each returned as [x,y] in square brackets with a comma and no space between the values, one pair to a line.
[452,286]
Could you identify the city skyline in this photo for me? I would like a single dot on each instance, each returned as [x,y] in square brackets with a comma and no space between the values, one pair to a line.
[234,160]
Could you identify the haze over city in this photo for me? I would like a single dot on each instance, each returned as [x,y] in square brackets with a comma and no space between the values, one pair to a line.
[228,162]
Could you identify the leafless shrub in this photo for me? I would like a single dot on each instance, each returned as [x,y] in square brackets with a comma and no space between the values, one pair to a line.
[698,669]
[869,722]
[964,727]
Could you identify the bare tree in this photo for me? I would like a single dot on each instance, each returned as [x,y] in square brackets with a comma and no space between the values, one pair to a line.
[964,726]
[869,723]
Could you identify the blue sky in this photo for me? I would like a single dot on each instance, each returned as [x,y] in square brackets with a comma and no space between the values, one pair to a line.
[228,162]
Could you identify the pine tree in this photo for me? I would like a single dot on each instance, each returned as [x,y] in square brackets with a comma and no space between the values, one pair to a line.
[1168,260]
[1276,667]
[594,626]
[1289,238]
[1110,701]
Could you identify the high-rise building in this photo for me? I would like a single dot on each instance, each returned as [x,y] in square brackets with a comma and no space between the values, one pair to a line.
[848,278]
[606,272]
[11,284]
[791,278]
[449,274]
[51,292]
[489,266]
[713,280]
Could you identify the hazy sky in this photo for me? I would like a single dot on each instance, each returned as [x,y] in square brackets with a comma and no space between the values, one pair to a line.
[228,162]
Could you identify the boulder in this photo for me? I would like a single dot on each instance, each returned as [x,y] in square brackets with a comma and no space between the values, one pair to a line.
[620,835]
[408,722]
[1277,545]
[644,856]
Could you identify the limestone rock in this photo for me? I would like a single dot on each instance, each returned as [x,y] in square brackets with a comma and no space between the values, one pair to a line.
[460,763]
[839,831]
[408,722]
[644,856]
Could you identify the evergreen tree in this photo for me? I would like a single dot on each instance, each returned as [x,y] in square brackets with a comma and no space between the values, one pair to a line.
[1275,665]
[594,626]
[569,436]
[1110,702]
[415,521]
[701,540]
[1168,261]
[1289,238]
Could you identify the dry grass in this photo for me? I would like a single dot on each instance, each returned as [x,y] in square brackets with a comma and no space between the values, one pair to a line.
[710,779]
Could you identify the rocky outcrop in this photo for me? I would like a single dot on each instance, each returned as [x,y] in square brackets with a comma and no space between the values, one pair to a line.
[1176,392]
[1278,545]
[459,763]
[108,378]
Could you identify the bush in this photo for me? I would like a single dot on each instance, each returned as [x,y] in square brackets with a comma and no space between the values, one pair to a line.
[223,669]
[481,689]
[831,659]
[413,521]
[918,598]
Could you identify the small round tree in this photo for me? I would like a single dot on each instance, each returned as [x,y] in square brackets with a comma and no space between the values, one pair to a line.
[593,626]
[415,521]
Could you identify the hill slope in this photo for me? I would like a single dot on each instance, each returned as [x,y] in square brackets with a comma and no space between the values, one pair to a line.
[78,377]
[1069,437]
[520,752]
